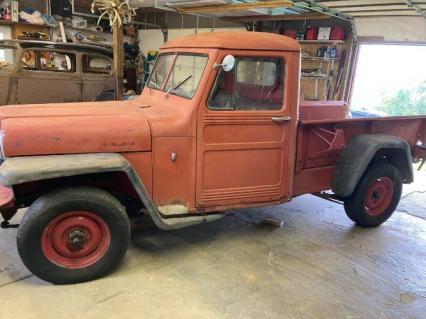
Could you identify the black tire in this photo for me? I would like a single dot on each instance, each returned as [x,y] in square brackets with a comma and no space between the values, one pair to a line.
[356,206]
[105,96]
[100,204]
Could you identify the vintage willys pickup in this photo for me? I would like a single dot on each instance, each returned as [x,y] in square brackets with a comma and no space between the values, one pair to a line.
[219,126]
[49,72]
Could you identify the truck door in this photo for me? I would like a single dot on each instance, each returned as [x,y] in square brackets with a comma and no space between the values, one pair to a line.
[48,77]
[243,132]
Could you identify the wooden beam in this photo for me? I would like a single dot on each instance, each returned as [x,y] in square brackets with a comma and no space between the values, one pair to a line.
[352,3]
[375,8]
[285,17]
[117,35]
[237,7]
[410,13]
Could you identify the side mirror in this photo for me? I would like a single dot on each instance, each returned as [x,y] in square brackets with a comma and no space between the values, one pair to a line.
[228,63]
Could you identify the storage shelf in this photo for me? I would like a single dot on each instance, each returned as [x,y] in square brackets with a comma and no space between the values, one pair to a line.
[314,76]
[12,23]
[319,59]
[322,41]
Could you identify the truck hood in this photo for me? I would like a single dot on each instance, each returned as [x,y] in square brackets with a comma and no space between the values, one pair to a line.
[73,128]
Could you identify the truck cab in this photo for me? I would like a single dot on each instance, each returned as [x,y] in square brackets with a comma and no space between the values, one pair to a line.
[232,127]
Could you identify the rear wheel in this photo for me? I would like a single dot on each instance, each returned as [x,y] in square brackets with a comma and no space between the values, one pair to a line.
[105,96]
[73,235]
[376,196]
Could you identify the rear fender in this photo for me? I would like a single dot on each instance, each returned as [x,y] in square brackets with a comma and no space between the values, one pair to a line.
[361,151]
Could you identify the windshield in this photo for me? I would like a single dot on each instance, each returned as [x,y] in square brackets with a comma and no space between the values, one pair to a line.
[7,55]
[185,74]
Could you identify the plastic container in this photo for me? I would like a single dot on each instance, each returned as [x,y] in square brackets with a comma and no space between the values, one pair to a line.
[337,33]
[291,33]
[312,33]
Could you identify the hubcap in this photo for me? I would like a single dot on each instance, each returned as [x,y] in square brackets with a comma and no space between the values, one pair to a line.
[76,239]
[379,196]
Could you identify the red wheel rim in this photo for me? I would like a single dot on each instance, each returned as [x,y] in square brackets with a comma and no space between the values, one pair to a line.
[379,196]
[76,239]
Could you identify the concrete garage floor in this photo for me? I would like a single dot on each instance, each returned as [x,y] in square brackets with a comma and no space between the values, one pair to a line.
[317,266]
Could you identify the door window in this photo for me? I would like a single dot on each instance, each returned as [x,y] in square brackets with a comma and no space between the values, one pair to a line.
[48,61]
[96,64]
[256,83]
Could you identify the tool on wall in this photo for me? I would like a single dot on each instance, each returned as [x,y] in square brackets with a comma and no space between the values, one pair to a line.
[340,71]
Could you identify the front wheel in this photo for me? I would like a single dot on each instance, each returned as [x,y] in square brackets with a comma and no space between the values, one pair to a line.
[376,196]
[73,235]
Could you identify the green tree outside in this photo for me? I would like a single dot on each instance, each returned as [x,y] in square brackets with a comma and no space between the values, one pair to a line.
[406,102]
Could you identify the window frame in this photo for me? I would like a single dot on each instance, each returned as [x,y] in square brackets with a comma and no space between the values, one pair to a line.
[249,56]
[10,47]
[169,73]
[38,52]
[94,55]
[148,82]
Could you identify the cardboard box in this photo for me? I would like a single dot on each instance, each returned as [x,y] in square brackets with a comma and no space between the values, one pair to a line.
[324,33]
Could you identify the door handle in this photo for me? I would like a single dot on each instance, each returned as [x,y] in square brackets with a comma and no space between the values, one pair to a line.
[281,119]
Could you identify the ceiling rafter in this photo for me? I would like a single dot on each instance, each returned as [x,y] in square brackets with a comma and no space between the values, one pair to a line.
[272,10]
[419,10]
[284,17]
[237,6]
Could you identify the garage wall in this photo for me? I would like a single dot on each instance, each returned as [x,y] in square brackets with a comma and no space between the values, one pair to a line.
[153,39]
[393,29]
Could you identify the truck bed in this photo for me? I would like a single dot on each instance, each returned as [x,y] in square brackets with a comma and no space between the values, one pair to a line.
[320,140]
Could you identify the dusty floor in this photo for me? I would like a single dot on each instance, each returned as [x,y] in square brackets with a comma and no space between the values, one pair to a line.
[317,266]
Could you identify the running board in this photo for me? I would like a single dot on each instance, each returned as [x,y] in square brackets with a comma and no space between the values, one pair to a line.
[188,220]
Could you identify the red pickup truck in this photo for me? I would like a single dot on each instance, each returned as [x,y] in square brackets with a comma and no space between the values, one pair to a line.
[218,126]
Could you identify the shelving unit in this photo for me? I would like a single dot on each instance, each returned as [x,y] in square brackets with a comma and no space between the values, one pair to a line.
[319,59]
[20,27]
[322,41]
[323,85]
[314,76]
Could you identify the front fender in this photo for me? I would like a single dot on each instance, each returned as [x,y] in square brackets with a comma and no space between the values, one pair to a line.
[19,170]
[359,153]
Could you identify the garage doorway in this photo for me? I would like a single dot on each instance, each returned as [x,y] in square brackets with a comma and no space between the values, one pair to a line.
[390,80]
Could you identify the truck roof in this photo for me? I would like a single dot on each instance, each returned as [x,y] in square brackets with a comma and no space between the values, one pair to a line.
[237,40]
